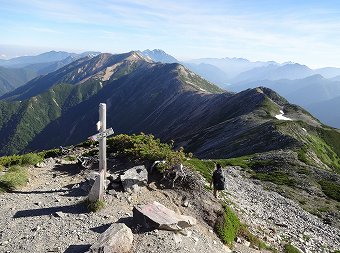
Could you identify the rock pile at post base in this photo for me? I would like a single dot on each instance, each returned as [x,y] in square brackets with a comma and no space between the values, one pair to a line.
[155,215]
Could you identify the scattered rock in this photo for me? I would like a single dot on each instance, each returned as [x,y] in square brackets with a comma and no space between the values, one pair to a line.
[156,215]
[133,178]
[59,214]
[185,203]
[116,239]
[177,238]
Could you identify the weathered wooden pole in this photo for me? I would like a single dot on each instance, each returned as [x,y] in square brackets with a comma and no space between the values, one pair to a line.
[102,142]
[98,188]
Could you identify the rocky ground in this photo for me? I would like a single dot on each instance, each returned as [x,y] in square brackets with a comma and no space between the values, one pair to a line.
[277,219]
[48,215]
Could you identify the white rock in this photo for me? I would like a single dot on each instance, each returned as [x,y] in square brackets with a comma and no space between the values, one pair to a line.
[116,239]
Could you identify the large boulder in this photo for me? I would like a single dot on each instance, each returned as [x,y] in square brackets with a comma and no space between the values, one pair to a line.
[133,178]
[117,238]
[156,215]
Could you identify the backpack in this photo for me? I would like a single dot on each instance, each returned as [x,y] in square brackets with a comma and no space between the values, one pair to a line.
[219,179]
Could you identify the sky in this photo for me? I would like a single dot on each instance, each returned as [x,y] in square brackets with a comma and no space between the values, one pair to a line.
[303,31]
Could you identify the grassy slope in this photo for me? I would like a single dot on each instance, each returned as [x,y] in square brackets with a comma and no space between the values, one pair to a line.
[13,78]
[30,117]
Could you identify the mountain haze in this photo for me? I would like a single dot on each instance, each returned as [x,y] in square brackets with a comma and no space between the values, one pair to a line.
[20,70]
[48,57]
[289,71]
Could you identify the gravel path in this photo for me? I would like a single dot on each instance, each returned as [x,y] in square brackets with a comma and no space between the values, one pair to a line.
[48,216]
[278,219]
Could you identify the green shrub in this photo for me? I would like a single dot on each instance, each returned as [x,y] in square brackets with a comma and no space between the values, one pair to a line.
[302,154]
[93,152]
[331,189]
[70,158]
[26,159]
[30,159]
[87,144]
[95,206]
[323,209]
[254,240]
[145,147]
[206,168]
[8,161]
[277,177]
[15,177]
[50,153]
[227,226]
[291,249]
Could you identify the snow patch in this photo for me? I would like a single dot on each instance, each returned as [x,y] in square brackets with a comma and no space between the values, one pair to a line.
[55,102]
[197,87]
[281,117]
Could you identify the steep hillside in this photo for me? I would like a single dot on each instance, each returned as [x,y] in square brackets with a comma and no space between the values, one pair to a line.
[103,66]
[47,98]
[209,72]
[31,67]
[315,93]
[11,78]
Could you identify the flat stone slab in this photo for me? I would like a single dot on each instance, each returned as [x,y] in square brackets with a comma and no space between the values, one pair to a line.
[156,215]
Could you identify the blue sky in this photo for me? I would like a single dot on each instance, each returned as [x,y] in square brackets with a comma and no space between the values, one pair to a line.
[301,31]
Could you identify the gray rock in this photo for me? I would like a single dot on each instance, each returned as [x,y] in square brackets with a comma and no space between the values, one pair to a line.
[91,177]
[133,178]
[156,215]
[116,239]
[114,178]
[60,214]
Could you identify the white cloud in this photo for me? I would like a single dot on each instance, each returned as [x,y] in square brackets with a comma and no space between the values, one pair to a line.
[197,28]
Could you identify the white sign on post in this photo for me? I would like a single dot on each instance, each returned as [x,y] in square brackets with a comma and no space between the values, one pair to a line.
[101,135]
[97,190]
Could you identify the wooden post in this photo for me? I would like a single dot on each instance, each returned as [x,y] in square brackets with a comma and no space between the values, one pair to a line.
[102,142]
[98,188]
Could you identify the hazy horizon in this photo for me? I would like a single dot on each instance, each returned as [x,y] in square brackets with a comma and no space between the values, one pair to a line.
[306,32]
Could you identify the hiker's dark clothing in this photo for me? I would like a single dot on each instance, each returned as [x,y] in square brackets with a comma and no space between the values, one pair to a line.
[218,179]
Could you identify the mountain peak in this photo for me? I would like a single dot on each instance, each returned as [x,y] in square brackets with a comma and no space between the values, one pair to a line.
[159,55]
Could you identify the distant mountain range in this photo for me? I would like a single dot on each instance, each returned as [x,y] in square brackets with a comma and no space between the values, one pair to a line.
[48,57]
[18,71]
[314,89]
[298,83]
[167,100]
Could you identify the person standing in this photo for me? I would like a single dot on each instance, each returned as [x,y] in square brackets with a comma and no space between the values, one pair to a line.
[218,180]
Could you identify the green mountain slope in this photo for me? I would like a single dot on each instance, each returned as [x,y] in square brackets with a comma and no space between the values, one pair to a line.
[166,100]
[11,78]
